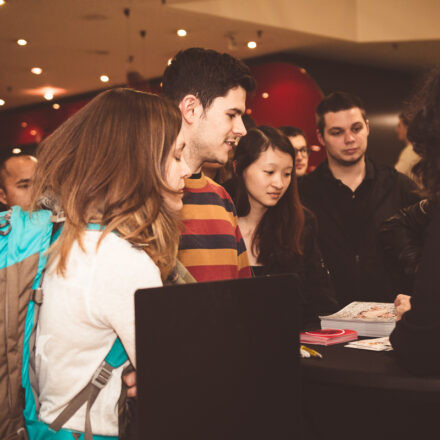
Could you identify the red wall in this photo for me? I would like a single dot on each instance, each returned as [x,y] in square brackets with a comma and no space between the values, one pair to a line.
[292,99]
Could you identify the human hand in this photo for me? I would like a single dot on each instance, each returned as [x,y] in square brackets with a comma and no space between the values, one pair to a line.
[402,303]
[130,381]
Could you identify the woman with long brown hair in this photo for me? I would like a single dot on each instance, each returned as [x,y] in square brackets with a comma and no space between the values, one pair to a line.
[115,173]
[279,233]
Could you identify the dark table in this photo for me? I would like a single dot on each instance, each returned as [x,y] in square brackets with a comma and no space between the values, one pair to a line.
[356,394]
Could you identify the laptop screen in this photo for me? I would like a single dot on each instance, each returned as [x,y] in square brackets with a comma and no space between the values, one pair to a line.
[219,360]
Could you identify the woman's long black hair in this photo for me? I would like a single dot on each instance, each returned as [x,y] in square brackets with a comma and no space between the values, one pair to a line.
[278,237]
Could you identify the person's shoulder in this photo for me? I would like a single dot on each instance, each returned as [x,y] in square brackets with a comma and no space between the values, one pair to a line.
[310,185]
[310,222]
[211,195]
[222,194]
[383,170]
[312,177]
[118,252]
[389,179]
[217,188]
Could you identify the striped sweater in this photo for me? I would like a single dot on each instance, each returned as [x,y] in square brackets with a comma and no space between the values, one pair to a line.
[211,245]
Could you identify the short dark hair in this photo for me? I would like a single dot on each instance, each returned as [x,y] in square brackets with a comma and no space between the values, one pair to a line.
[3,170]
[336,102]
[291,131]
[206,74]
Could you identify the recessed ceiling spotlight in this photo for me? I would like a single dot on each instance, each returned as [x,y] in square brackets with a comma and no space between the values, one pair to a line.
[33,132]
[56,106]
[181,33]
[48,95]
[22,42]
[265,95]
[37,70]
[16,150]
[24,124]
[2,102]
[170,60]
[2,2]
[104,78]
[252,44]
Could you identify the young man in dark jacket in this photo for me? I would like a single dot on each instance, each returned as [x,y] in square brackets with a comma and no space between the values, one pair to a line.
[351,196]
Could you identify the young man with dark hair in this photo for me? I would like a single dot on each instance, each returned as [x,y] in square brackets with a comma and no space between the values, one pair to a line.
[210,89]
[16,174]
[298,140]
[351,196]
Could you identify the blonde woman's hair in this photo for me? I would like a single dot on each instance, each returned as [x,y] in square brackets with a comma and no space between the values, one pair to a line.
[106,165]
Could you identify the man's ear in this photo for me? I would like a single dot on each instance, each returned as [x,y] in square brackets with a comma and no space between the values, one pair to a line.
[367,123]
[3,198]
[320,138]
[189,106]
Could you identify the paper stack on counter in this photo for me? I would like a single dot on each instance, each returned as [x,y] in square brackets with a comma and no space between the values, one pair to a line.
[366,318]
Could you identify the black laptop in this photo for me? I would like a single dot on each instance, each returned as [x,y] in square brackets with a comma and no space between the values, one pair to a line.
[219,360]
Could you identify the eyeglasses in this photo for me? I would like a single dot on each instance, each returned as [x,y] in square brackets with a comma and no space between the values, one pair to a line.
[303,150]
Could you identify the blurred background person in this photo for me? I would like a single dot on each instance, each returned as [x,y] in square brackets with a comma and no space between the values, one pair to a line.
[418,329]
[298,140]
[407,157]
[280,234]
[16,176]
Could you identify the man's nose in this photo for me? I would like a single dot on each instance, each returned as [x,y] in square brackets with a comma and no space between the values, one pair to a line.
[239,128]
[349,137]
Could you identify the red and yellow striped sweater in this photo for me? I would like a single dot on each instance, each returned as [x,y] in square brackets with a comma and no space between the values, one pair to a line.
[211,245]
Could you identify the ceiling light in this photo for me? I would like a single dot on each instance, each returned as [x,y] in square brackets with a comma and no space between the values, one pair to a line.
[37,70]
[22,42]
[24,124]
[104,78]
[170,60]
[16,150]
[2,102]
[33,132]
[265,95]
[56,106]
[181,33]
[248,111]
[48,95]
[252,44]
[2,2]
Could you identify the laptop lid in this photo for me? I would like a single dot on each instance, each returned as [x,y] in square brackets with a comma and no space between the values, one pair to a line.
[219,360]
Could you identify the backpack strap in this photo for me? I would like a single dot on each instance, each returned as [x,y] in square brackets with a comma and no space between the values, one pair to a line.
[115,358]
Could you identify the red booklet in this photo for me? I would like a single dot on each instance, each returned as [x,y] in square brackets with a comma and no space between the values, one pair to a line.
[328,336]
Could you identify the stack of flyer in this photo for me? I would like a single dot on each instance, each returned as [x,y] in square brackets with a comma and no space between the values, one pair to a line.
[376,344]
[327,337]
[366,318]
